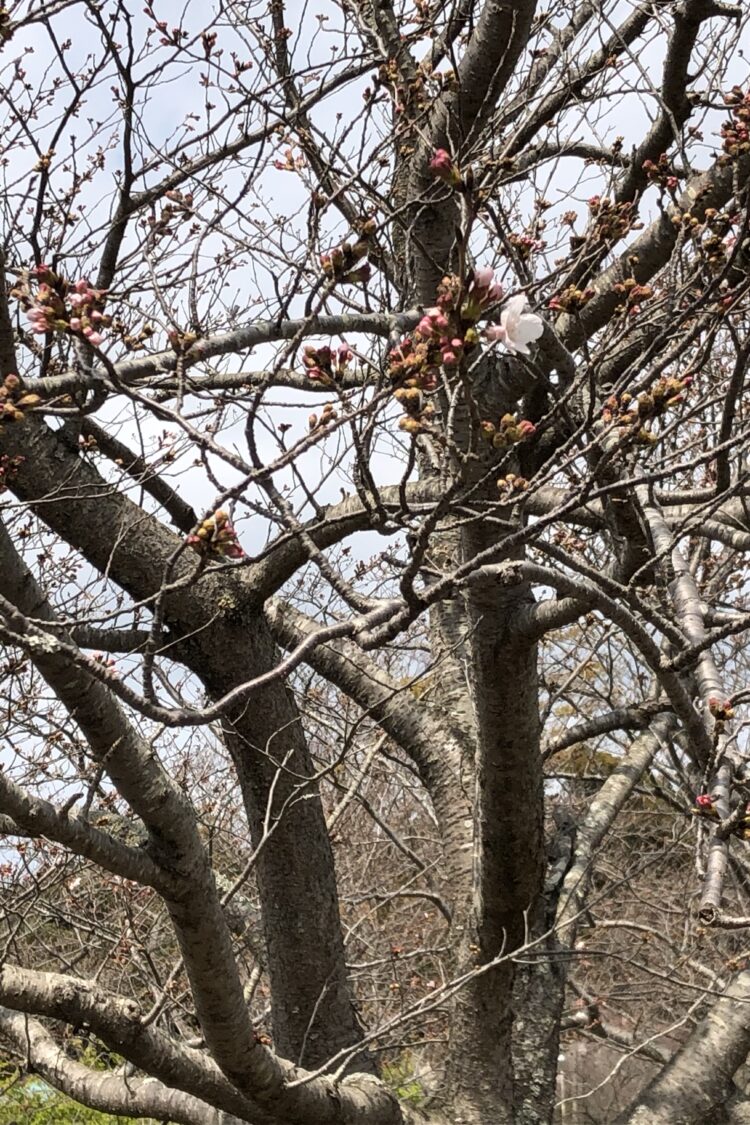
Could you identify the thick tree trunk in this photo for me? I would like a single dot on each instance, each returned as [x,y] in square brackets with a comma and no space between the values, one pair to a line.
[508,849]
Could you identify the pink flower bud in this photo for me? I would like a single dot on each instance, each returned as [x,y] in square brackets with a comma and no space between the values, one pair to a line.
[443,167]
[484,277]
[441,161]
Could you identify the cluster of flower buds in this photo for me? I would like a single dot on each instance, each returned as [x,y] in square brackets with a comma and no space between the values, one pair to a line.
[326,365]
[14,401]
[612,220]
[341,263]
[482,291]
[443,336]
[215,537]
[721,709]
[629,414]
[632,294]
[447,332]
[626,409]
[661,172]
[511,486]
[508,431]
[57,305]
[571,300]
[663,395]
[182,201]
[438,333]
[443,168]
[169,37]
[9,467]
[712,235]
[327,416]
[181,341]
[290,163]
[448,293]
[689,222]
[133,340]
[525,245]
[415,362]
[418,412]
[705,805]
[736,132]
[718,239]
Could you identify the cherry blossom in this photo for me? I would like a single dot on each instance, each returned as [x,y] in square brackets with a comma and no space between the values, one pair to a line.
[517,328]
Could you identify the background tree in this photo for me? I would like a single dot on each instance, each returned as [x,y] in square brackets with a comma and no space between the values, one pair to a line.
[372,566]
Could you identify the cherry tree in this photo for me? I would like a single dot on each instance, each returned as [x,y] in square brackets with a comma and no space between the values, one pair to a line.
[372,559]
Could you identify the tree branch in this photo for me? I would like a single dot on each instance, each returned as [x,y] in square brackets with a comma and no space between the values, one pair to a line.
[108,1093]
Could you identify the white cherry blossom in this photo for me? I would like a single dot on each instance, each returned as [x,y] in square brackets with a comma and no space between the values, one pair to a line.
[517,328]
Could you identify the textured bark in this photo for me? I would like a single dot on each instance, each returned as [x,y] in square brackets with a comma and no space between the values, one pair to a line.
[693,1087]
[116,1022]
[505,90]
[141,1097]
[508,857]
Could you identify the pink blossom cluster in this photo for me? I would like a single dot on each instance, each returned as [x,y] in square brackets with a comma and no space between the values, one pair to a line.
[326,365]
[661,173]
[84,301]
[736,133]
[452,329]
[525,244]
[446,332]
[435,327]
[59,306]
